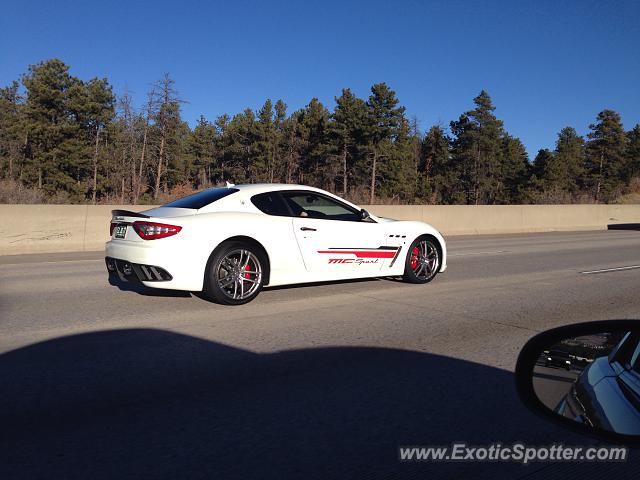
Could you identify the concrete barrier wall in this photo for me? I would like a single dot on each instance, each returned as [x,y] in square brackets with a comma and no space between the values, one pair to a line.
[488,219]
[74,228]
[55,228]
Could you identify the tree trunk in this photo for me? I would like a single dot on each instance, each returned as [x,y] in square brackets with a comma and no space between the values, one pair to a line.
[344,169]
[159,169]
[272,162]
[290,162]
[476,180]
[599,184]
[95,167]
[123,170]
[165,182]
[141,169]
[373,177]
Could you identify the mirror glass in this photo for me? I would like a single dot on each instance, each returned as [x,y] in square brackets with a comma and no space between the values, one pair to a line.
[593,379]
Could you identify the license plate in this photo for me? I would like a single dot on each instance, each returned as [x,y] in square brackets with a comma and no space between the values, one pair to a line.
[121,231]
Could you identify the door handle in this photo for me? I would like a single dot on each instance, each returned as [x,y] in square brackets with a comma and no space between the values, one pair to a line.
[307,229]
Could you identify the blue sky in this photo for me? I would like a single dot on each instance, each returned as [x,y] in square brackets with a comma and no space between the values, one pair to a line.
[546,64]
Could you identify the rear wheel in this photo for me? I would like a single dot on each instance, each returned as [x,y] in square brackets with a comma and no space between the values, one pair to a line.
[235,273]
[422,262]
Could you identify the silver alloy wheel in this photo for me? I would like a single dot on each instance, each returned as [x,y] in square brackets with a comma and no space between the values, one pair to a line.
[239,274]
[424,259]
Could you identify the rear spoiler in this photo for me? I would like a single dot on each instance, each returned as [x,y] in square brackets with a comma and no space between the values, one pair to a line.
[127,213]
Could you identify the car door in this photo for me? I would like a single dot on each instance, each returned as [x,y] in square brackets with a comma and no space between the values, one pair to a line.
[333,237]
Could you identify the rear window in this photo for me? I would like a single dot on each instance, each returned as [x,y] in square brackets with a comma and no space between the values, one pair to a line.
[202,199]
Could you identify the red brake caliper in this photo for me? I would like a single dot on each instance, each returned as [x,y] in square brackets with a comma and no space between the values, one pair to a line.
[414,257]
[247,275]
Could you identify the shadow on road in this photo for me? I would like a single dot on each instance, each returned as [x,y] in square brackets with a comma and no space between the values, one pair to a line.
[624,226]
[146,403]
[319,284]
[141,289]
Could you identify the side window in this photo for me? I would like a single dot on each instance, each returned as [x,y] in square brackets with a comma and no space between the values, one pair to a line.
[270,203]
[635,358]
[313,205]
[626,352]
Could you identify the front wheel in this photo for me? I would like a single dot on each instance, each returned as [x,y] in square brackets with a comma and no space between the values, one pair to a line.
[422,262]
[235,274]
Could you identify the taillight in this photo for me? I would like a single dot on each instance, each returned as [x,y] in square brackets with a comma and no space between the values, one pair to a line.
[153,231]
[112,227]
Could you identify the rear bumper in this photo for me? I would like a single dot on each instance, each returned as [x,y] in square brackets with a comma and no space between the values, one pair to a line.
[128,271]
[156,265]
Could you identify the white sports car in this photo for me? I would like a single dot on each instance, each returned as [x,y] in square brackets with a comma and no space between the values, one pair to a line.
[230,242]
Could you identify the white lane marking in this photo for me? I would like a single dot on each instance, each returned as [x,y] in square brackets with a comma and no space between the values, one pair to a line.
[475,253]
[617,269]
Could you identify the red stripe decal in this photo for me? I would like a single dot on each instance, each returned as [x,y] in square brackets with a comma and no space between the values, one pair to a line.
[363,253]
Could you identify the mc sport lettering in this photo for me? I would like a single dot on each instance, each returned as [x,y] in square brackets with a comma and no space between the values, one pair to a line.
[356,261]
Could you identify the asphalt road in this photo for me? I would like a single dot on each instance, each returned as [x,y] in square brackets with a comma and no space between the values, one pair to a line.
[323,381]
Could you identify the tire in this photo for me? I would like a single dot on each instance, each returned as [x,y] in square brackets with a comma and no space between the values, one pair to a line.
[423,261]
[235,273]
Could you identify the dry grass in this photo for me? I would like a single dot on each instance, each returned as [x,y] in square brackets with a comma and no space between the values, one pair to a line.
[631,196]
[175,193]
[629,199]
[14,192]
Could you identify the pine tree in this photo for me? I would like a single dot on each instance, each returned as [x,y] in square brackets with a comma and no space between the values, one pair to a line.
[47,127]
[167,131]
[514,170]
[239,147]
[92,104]
[546,177]
[266,164]
[438,176]
[570,156]
[313,123]
[384,120]
[263,147]
[127,132]
[632,154]
[292,147]
[201,148]
[605,155]
[346,132]
[477,151]
[397,171]
[10,131]
[280,146]
[543,163]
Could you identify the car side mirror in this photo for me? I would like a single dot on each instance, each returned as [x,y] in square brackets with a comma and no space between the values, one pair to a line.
[585,377]
[364,215]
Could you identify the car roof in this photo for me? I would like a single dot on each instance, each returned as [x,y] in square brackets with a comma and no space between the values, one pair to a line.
[248,190]
[254,188]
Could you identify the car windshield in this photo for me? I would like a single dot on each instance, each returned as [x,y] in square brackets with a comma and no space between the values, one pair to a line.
[201,199]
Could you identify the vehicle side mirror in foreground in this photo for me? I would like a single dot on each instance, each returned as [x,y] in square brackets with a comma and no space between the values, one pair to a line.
[585,377]
[364,214]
